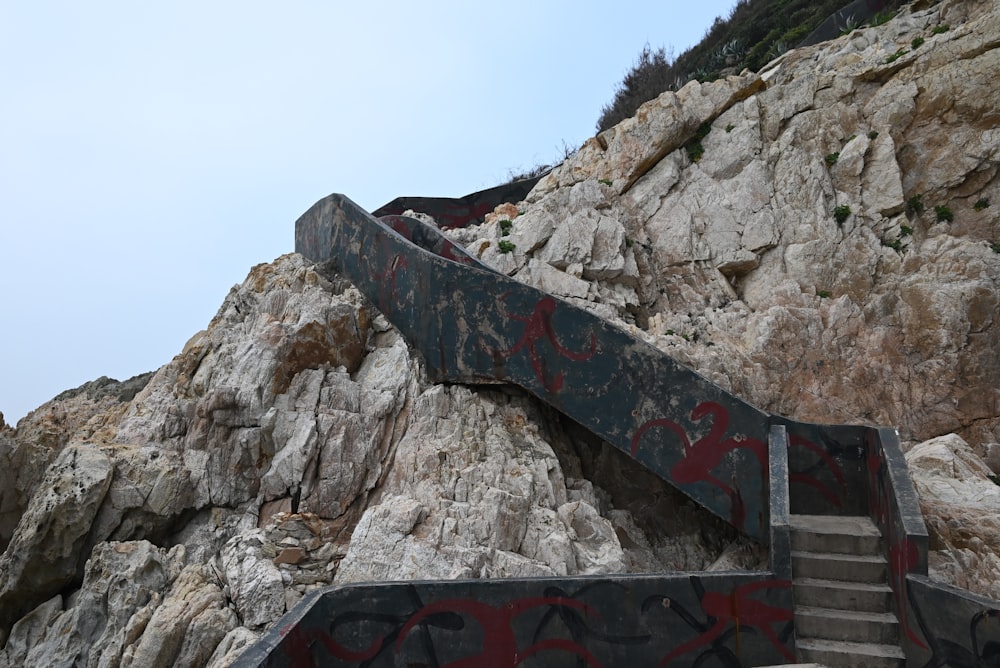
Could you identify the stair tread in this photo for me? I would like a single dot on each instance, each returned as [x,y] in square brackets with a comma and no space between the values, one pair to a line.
[853,615]
[852,525]
[840,556]
[881,588]
[848,647]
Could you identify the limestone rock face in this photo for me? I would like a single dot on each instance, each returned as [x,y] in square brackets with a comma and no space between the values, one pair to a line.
[45,552]
[960,499]
[91,411]
[296,442]
[735,262]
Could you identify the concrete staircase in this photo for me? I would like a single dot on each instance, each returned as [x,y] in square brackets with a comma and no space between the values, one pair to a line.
[843,604]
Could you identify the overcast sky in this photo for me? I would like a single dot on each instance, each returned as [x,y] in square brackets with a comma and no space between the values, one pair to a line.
[151,153]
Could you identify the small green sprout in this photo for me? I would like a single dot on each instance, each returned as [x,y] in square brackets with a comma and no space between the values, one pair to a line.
[505,226]
[917,41]
[823,294]
[937,30]
[841,213]
[943,213]
[873,134]
[916,204]
[694,148]
[905,230]
[505,246]
[896,56]
[831,159]
[981,204]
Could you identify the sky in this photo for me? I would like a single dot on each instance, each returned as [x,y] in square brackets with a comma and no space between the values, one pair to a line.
[152,153]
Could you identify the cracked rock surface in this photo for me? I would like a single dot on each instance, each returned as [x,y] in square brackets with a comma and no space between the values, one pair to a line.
[296,443]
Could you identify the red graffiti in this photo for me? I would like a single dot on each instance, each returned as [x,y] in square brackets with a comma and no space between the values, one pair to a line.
[904,557]
[499,644]
[739,609]
[705,454]
[538,326]
[441,245]
[298,641]
[831,496]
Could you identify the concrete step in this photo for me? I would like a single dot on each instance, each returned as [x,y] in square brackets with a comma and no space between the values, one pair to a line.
[831,533]
[850,625]
[840,654]
[863,596]
[839,566]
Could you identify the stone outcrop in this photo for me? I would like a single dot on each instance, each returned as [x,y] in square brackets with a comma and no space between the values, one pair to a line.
[296,442]
[960,500]
[736,263]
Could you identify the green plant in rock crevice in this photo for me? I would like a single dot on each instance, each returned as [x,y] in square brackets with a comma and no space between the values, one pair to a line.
[896,56]
[694,148]
[505,246]
[981,204]
[943,213]
[841,213]
[505,227]
[915,204]
[831,159]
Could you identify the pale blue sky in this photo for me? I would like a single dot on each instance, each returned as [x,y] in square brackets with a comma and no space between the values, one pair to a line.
[151,153]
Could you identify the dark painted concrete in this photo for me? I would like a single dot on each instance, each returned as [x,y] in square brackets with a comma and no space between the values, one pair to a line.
[473,325]
[724,619]
[956,628]
[460,211]
[896,511]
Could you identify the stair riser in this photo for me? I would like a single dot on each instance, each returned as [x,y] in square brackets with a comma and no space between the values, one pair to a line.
[846,570]
[841,660]
[842,599]
[837,543]
[852,630]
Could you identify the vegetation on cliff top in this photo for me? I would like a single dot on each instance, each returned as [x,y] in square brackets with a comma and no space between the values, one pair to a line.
[755,32]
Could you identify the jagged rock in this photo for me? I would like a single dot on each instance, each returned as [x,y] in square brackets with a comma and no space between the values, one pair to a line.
[840,308]
[122,587]
[44,553]
[625,152]
[186,626]
[296,442]
[89,412]
[476,490]
[231,646]
[255,584]
[960,500]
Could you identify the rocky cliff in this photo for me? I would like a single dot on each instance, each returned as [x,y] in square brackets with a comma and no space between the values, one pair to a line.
[821,239]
